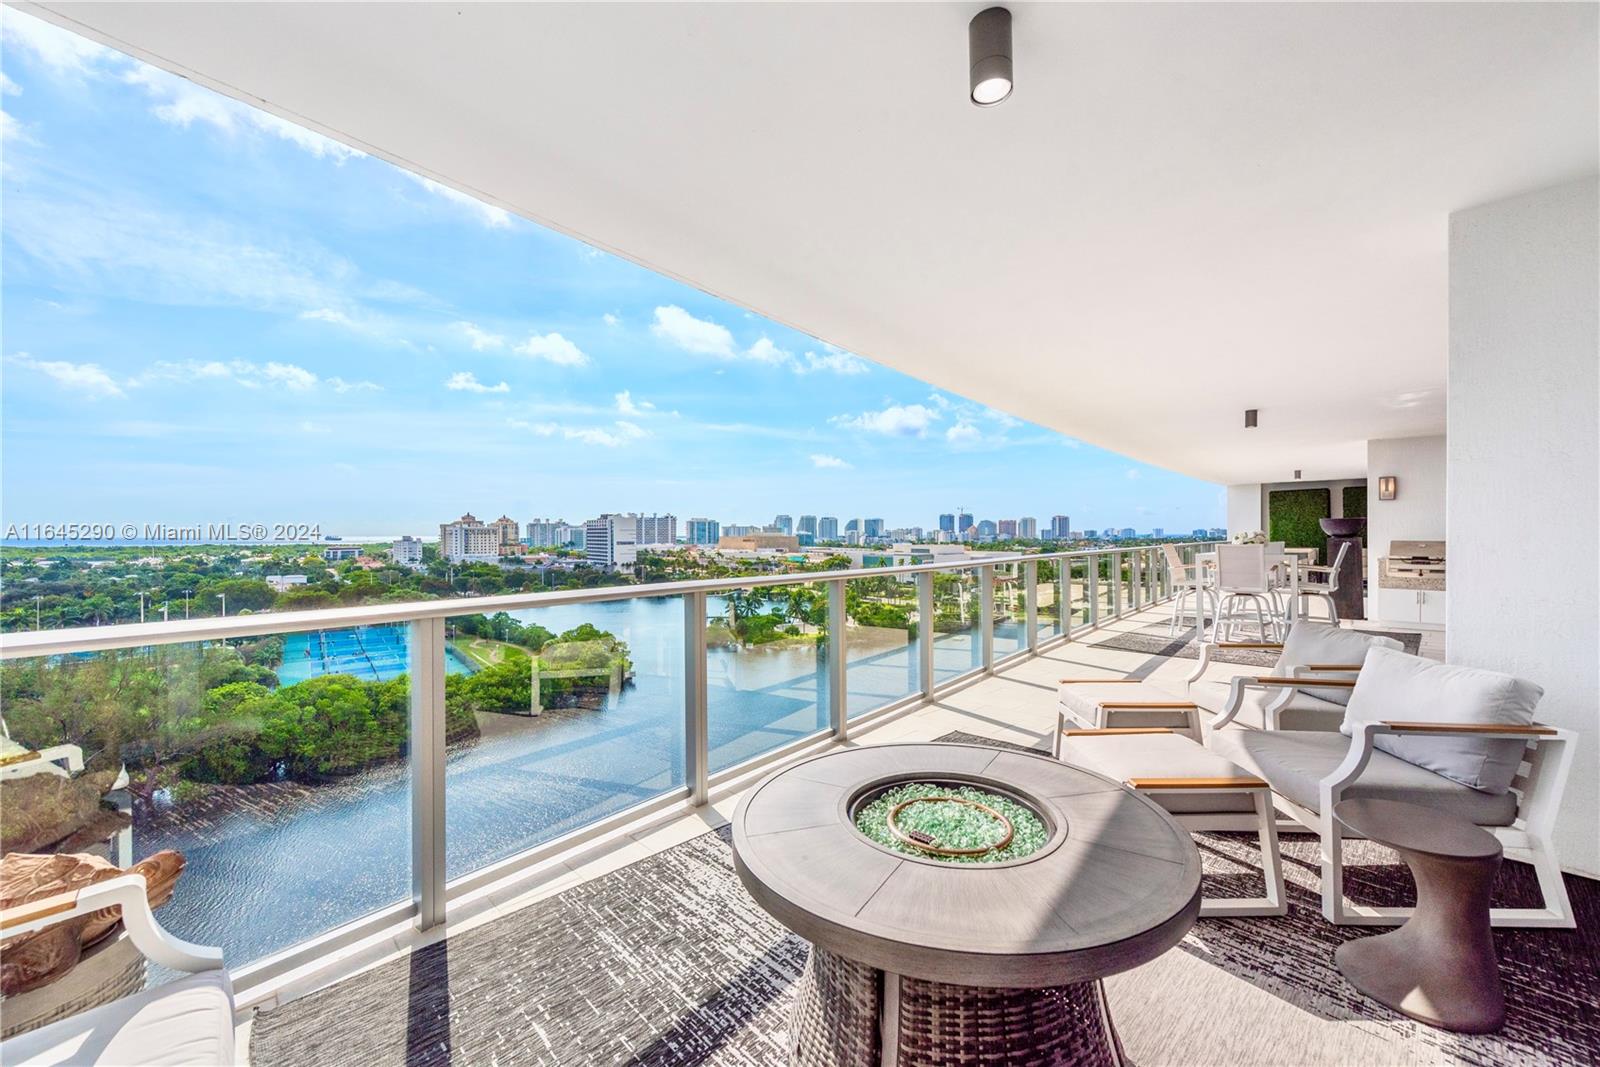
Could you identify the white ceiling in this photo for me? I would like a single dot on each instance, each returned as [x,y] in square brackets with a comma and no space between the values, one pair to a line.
[1182,211]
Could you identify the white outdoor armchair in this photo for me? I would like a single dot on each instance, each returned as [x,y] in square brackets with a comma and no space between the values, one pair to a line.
[1466,744]
[189,1021]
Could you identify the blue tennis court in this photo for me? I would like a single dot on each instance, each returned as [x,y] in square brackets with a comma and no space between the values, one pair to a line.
[370,653]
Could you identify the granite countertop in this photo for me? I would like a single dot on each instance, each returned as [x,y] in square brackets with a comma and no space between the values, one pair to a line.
[1406,581]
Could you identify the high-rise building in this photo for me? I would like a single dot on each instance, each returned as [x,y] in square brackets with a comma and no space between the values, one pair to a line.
[469,541]
[611,540]
[872,528]
[1157,532]
[784,524]
[407,551]
[658,529]
[1128,531]
[1028,529]
[548,533]
[852,527]
[704,531]
[1060,527]
[947,523]
[987,530]
[827,528]
[510,541]
[963,522]
[1090,535]
[808,525]
[1006,528]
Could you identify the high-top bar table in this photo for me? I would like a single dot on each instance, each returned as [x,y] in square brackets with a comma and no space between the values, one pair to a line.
[920,962]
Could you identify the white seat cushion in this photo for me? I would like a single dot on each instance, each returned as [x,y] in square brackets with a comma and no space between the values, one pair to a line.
[1124,756]
[1080,700]
[1397,687]
[189,1021]
[1296,761]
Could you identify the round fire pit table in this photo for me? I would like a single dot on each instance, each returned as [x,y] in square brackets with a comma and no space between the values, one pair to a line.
[917,960]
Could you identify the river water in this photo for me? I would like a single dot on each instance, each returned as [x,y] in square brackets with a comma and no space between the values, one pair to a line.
[272,865]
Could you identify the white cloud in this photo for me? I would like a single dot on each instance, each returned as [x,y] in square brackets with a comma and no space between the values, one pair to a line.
[8,87]
[610,319]
[616,435]
[289,376]
[496,218]
[555,348]
[963,433]
[480,339]
[244,373]
[897,420]
[682,330]
[825,461]
[627,405]
[835,361]
[87,378]
[467,382]
[10,128]
[180,102]
[1133,474]
[764,351]
[340,385]
[63,52]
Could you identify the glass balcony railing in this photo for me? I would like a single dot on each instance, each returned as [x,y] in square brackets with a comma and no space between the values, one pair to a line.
[327,774]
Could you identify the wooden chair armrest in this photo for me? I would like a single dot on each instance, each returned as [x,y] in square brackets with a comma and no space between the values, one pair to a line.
[35,910]
[1241,782]
[1152,705]
[127,892]
[1341,667]
[1531,730]
[1113,731]
[1272,682]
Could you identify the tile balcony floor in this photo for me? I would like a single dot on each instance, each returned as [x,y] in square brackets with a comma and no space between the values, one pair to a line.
[1240,991]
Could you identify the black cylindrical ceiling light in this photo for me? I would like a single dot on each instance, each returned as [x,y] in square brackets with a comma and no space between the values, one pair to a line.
[989,56]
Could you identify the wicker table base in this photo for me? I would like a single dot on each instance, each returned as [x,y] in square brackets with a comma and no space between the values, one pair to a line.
[849,1015]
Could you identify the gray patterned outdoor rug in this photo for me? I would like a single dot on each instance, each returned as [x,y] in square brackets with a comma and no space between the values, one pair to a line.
[669,962]
[1154,640]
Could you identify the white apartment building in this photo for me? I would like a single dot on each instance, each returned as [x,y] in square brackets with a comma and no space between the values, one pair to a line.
[1028,528]
[509,539]
[611,540]
[469,541]
[280,582]
[407,551]
[657,529]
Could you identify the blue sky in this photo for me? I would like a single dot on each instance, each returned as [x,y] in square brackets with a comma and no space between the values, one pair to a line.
[211,315]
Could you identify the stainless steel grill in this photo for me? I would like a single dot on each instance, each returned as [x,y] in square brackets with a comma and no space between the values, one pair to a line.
[1420,559]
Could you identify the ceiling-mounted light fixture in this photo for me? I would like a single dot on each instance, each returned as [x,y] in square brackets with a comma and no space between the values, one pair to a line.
[1249,418]
[989,55]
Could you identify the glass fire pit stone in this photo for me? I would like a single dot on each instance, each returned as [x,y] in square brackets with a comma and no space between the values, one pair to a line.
[952,825]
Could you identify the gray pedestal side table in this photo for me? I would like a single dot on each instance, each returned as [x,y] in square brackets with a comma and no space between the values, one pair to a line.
[1440,967]
[920,962]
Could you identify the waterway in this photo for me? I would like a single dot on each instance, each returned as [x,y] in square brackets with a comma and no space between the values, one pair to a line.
[271,865]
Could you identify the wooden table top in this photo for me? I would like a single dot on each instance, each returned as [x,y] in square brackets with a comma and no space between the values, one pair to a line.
[1117,883]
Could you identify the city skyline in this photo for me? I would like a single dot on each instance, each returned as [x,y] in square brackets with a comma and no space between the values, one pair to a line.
[212,315]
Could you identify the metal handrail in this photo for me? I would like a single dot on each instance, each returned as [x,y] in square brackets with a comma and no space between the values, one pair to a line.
[180,631]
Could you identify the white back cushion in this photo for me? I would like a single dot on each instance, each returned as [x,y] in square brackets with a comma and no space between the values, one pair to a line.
[1395,686]
[1317,642]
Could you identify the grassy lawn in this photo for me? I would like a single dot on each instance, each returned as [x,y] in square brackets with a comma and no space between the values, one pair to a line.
[484,651]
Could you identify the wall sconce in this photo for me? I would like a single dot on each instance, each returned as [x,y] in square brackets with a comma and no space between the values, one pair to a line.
[1388,487]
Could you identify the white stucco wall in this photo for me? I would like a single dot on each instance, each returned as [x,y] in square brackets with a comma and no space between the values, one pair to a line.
[1524,466]
[1244,508]
[1417,513]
